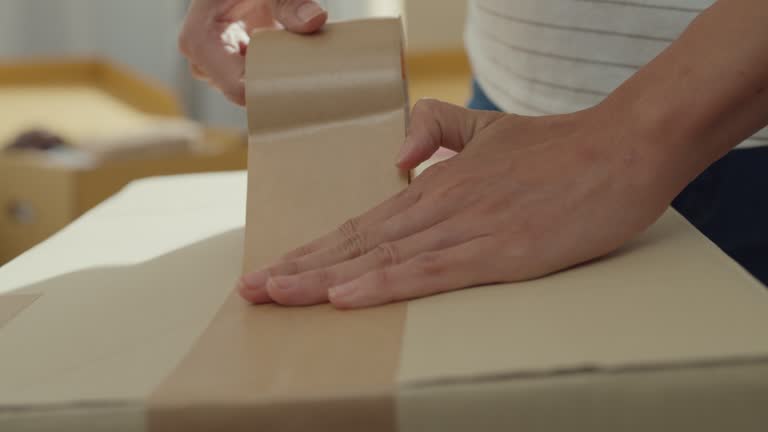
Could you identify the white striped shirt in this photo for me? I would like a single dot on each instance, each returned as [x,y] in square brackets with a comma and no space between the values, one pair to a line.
[539,57]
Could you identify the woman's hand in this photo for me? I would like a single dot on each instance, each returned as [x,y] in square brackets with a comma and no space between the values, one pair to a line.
[525,196]
[215,35]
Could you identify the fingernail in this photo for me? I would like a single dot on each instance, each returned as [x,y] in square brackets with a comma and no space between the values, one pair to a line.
[309,11]
[340,291]
[256,279]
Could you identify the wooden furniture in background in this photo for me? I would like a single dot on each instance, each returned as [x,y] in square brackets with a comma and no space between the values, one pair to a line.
[440,75]
[41,192]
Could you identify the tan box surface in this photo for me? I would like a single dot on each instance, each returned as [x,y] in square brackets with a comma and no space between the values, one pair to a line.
[668,334]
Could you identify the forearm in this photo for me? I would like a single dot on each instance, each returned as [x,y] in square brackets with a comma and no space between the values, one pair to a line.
[705,93]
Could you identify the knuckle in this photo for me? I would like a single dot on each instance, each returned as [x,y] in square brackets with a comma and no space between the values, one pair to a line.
[321,277]
[410,195]
[272,272]
[387,254]
[450,191]
[350,228]
[435,170]
[353,240]
[279,6]
[285,297]
[285,268]
[380,279]
[422,114]
[187,43]
[353,245]
[425,105]
[298,252]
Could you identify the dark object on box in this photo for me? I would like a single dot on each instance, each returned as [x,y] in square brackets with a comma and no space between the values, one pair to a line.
[36,139]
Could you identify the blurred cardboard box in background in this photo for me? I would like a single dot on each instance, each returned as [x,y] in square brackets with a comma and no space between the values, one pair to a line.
[116,126]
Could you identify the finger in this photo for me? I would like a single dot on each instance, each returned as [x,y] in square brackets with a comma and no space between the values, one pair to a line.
[256,15]
[396,204]
[255,296]
[357,237]
[341,245]
[299,16]
[350,245]
[435,124]
[225,66]
[311,287]
[252,286]
[310,273]
[426,274]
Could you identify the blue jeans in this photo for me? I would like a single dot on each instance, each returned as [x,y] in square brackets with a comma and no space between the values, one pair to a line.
[728,202]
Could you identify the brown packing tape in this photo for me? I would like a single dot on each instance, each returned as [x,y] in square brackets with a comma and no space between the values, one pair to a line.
[265,369]
[12,305]
[326,113]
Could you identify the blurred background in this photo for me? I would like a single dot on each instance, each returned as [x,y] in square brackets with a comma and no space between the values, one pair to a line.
[142,34]
[94,94]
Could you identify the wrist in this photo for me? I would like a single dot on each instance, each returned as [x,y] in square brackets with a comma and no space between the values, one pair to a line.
[652,154]
[701,96]
[671,130]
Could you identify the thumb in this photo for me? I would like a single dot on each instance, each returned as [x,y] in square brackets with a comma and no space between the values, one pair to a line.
[299,16]
[436,124]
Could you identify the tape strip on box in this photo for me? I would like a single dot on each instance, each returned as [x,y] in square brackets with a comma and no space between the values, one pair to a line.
[327,114]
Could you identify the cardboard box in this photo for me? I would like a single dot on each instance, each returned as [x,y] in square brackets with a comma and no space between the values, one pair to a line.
[99,322]
[126,320]
[41,193]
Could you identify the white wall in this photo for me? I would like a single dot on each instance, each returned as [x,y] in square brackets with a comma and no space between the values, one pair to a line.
[139,33]
[142,34]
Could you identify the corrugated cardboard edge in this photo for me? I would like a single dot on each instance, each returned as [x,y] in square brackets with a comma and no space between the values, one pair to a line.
[587,370]
[112,415]
[76,416]
[705,398]
[705,392]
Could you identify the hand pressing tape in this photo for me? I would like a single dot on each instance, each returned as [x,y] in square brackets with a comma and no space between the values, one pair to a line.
[326,114]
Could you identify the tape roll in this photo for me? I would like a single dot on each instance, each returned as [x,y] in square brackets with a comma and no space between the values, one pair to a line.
[326,114]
